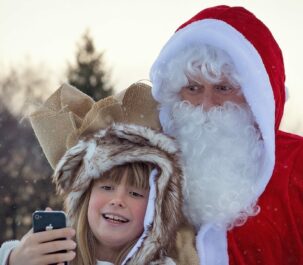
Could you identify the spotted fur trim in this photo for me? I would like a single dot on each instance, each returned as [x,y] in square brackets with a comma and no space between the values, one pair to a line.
[117,145]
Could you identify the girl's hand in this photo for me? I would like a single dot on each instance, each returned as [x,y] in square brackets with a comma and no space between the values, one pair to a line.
[34,248]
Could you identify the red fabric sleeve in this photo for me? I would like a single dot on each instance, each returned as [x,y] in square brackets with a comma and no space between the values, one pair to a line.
[275,235]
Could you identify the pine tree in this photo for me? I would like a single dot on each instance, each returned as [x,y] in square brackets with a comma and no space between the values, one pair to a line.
[88,74]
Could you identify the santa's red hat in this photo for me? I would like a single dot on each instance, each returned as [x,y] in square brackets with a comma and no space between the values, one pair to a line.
[244,37]
[258,61]
[256,56]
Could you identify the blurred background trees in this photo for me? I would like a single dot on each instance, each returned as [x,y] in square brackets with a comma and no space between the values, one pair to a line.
[25,175]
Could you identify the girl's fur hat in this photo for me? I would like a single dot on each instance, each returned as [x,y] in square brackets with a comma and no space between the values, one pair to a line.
[111,132]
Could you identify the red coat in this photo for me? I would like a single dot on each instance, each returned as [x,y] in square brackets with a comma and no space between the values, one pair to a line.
[275,235]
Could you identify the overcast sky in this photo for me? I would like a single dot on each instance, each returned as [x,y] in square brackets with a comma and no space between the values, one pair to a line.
[132,32]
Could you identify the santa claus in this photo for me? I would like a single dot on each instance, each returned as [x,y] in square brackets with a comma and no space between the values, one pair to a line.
[220,84]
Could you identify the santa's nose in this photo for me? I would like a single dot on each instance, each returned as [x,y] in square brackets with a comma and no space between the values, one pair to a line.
[206,100]
[207,104]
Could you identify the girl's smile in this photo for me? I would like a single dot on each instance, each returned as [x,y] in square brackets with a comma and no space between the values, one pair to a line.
[115,219]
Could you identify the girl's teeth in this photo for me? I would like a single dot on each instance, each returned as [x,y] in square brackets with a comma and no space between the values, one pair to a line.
[115,218]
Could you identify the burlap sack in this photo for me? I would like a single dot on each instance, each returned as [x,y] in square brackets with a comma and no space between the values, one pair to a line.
[68,114]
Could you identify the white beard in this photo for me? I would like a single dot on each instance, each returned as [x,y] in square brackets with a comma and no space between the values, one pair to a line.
[221,151]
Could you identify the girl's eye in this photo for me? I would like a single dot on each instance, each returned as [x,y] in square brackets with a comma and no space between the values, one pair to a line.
[106,187]
[136,194]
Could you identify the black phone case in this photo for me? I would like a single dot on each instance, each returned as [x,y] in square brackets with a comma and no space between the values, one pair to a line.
[49,220]
[43,220]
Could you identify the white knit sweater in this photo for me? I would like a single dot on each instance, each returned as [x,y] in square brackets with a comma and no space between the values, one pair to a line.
[6,249]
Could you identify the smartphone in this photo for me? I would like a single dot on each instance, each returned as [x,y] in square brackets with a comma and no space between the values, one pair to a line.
[49,220]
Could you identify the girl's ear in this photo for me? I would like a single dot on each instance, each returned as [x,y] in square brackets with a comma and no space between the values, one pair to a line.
[69,168]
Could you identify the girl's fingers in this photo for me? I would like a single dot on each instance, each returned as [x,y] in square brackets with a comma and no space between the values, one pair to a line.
[46,236]
[57,245]
[58,257]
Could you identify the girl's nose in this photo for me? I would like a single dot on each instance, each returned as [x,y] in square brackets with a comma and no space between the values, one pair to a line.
[118,200]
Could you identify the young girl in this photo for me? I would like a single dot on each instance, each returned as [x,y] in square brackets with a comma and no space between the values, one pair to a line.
[120,196]
[122,186]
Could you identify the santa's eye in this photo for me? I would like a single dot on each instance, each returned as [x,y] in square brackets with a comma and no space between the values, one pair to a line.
[193,88]
[225,89]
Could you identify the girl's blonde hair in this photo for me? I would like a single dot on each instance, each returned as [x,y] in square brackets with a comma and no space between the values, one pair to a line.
[137,174]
